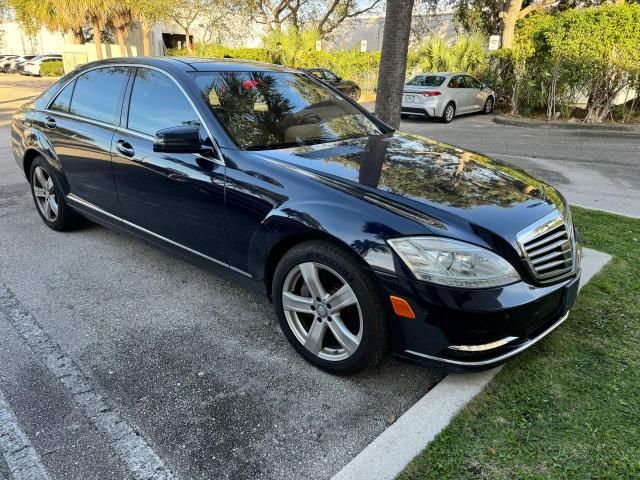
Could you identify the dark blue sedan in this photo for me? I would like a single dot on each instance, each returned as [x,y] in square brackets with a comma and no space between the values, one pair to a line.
[365,239]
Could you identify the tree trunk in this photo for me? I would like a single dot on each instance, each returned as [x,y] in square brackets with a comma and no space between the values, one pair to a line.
[146,38]
[188,41]
[120,33]
[97,38]
[508,18]
[393,60]
[78,36]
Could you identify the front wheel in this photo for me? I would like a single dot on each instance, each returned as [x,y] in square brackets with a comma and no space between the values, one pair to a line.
[329,308]
[449,113]
[488,106]
[354,94]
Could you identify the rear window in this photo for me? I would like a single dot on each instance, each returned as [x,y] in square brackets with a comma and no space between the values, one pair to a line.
[426,81]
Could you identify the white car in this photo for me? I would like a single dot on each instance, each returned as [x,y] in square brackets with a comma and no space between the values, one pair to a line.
[32,67]
[445,95]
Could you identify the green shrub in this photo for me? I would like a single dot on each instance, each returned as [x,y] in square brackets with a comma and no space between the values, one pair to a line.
[468,53]
[52,69]
[285,49]
[592,51]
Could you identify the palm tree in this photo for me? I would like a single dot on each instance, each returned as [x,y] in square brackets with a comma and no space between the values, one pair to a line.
[393,60]
[121,18]
[96,13]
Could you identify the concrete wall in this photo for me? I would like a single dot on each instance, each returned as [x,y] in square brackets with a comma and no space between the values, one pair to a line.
[13,40]
[351,32]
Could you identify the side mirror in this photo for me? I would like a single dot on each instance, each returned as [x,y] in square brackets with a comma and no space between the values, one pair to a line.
[182,139]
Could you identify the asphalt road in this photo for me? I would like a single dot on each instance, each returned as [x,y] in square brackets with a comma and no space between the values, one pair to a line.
[594,170]
[118,360]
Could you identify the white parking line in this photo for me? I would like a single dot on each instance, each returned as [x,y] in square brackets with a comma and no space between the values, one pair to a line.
[132,449]
[387,455]
[22,459]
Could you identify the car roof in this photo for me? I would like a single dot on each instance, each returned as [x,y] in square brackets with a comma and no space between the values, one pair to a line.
[199,64]
[442,74]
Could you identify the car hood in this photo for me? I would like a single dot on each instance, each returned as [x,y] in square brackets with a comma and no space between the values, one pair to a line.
[434,178]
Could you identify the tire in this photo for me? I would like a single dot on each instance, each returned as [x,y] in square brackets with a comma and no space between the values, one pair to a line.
[354,94]
[48,197]
[367,334]
[489,104]
[448,113]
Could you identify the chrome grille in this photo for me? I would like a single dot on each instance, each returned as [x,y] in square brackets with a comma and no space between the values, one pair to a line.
[548,247]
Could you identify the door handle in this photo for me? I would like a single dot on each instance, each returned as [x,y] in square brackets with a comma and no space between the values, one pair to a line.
[125,148]
[50,122]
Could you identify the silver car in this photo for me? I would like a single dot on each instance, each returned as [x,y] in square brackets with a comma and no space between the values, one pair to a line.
[445,95]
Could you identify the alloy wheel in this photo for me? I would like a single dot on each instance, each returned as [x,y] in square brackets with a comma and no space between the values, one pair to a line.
[322,311]
[45,194]
[488,106]
[448,113]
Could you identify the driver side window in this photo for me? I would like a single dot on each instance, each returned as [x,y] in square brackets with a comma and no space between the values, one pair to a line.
[157,103]
[330,76]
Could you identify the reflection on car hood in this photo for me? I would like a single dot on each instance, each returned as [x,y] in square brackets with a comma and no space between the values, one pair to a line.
[431,177]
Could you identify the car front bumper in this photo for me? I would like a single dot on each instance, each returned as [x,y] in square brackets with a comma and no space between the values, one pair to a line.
[472,330]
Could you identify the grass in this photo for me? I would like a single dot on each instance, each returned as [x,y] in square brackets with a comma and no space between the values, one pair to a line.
[570,407]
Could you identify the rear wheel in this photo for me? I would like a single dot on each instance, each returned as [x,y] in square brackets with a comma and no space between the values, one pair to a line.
[48,197]
[354,94]
[329,308]
[448,113]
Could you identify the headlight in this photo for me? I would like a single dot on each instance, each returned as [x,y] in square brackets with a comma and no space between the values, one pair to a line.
[453,263]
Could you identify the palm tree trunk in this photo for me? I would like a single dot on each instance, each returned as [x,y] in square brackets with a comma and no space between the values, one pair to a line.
[120,33]
[393,60]
[188,41]
[97,32]
[78,36]
[146,37]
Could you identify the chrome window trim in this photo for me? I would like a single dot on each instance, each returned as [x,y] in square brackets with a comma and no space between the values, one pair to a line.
[84,203]
[491,361]
[219,159]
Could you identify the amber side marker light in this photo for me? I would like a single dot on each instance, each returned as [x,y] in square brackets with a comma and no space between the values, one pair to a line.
[402,307]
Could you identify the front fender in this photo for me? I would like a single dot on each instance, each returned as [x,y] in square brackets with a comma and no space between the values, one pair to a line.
[358,228]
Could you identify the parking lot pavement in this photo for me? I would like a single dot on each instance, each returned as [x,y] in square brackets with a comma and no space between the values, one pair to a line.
[592,169]
[193,364]
[116,356]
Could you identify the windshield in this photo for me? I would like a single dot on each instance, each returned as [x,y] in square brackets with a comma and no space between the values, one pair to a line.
[426,80]
[266,110]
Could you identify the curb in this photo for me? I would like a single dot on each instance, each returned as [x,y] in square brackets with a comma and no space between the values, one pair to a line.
[387,455]
[626,130]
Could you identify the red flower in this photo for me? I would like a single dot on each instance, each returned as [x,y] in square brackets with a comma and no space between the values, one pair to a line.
[249,84]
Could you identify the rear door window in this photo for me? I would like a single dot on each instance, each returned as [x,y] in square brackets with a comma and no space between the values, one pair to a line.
[98,94]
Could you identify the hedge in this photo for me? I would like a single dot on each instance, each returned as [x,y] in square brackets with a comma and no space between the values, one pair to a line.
[52,69]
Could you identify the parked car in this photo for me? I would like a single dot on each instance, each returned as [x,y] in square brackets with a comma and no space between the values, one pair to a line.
[347,87]
[363,237]
[12,65]
[445,95]
[5,60]
[32,67]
